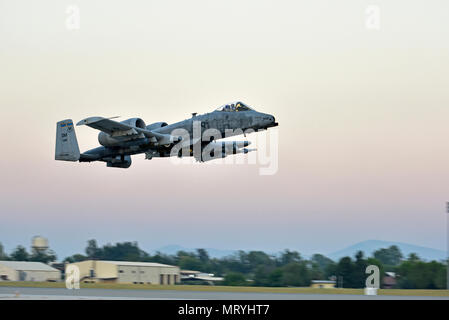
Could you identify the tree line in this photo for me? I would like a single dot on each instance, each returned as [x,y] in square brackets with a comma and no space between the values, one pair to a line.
[21,254]
[257,268]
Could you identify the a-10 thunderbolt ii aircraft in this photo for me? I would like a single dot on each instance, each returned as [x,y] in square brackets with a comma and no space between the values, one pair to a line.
[192,137]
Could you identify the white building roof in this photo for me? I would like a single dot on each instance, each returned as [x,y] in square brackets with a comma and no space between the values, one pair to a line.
[209,278]
[137,264]
[323,281]
[27,266]
[190,271]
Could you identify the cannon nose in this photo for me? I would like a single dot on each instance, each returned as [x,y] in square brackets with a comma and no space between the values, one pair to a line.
[271,121]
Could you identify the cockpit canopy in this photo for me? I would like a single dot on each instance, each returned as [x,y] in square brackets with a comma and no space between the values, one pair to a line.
[234,107]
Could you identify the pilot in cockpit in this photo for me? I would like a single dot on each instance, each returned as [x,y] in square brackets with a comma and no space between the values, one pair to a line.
[234,107]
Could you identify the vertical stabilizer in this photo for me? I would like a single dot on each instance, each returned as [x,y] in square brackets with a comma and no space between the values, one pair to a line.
[66,144]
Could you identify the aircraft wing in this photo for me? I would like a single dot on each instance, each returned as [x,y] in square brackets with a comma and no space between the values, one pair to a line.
[119,130]
[108,126]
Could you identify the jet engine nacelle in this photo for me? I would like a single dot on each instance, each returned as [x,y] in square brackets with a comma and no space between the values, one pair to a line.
[156,125]
[135,122]
[106,140]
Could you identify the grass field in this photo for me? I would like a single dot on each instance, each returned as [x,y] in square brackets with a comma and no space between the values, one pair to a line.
[436,293]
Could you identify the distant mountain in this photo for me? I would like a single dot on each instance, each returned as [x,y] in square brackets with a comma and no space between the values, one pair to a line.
[213,253]
[369,246]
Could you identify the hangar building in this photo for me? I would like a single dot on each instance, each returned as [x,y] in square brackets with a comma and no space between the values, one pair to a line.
[27,271]
[127,272]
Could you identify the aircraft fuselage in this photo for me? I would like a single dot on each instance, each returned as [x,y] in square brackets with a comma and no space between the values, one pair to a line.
[227,124]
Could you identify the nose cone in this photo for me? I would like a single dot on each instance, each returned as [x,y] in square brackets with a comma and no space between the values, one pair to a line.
[268,121]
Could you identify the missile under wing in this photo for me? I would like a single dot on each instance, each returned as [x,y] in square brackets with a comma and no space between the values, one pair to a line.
[66,144]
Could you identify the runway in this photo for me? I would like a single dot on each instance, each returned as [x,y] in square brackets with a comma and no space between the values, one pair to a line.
[27,293]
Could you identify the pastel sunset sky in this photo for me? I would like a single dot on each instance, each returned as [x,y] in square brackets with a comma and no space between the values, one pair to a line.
[363,122]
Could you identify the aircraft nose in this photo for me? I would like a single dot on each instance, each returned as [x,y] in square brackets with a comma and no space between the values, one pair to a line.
[271,120]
